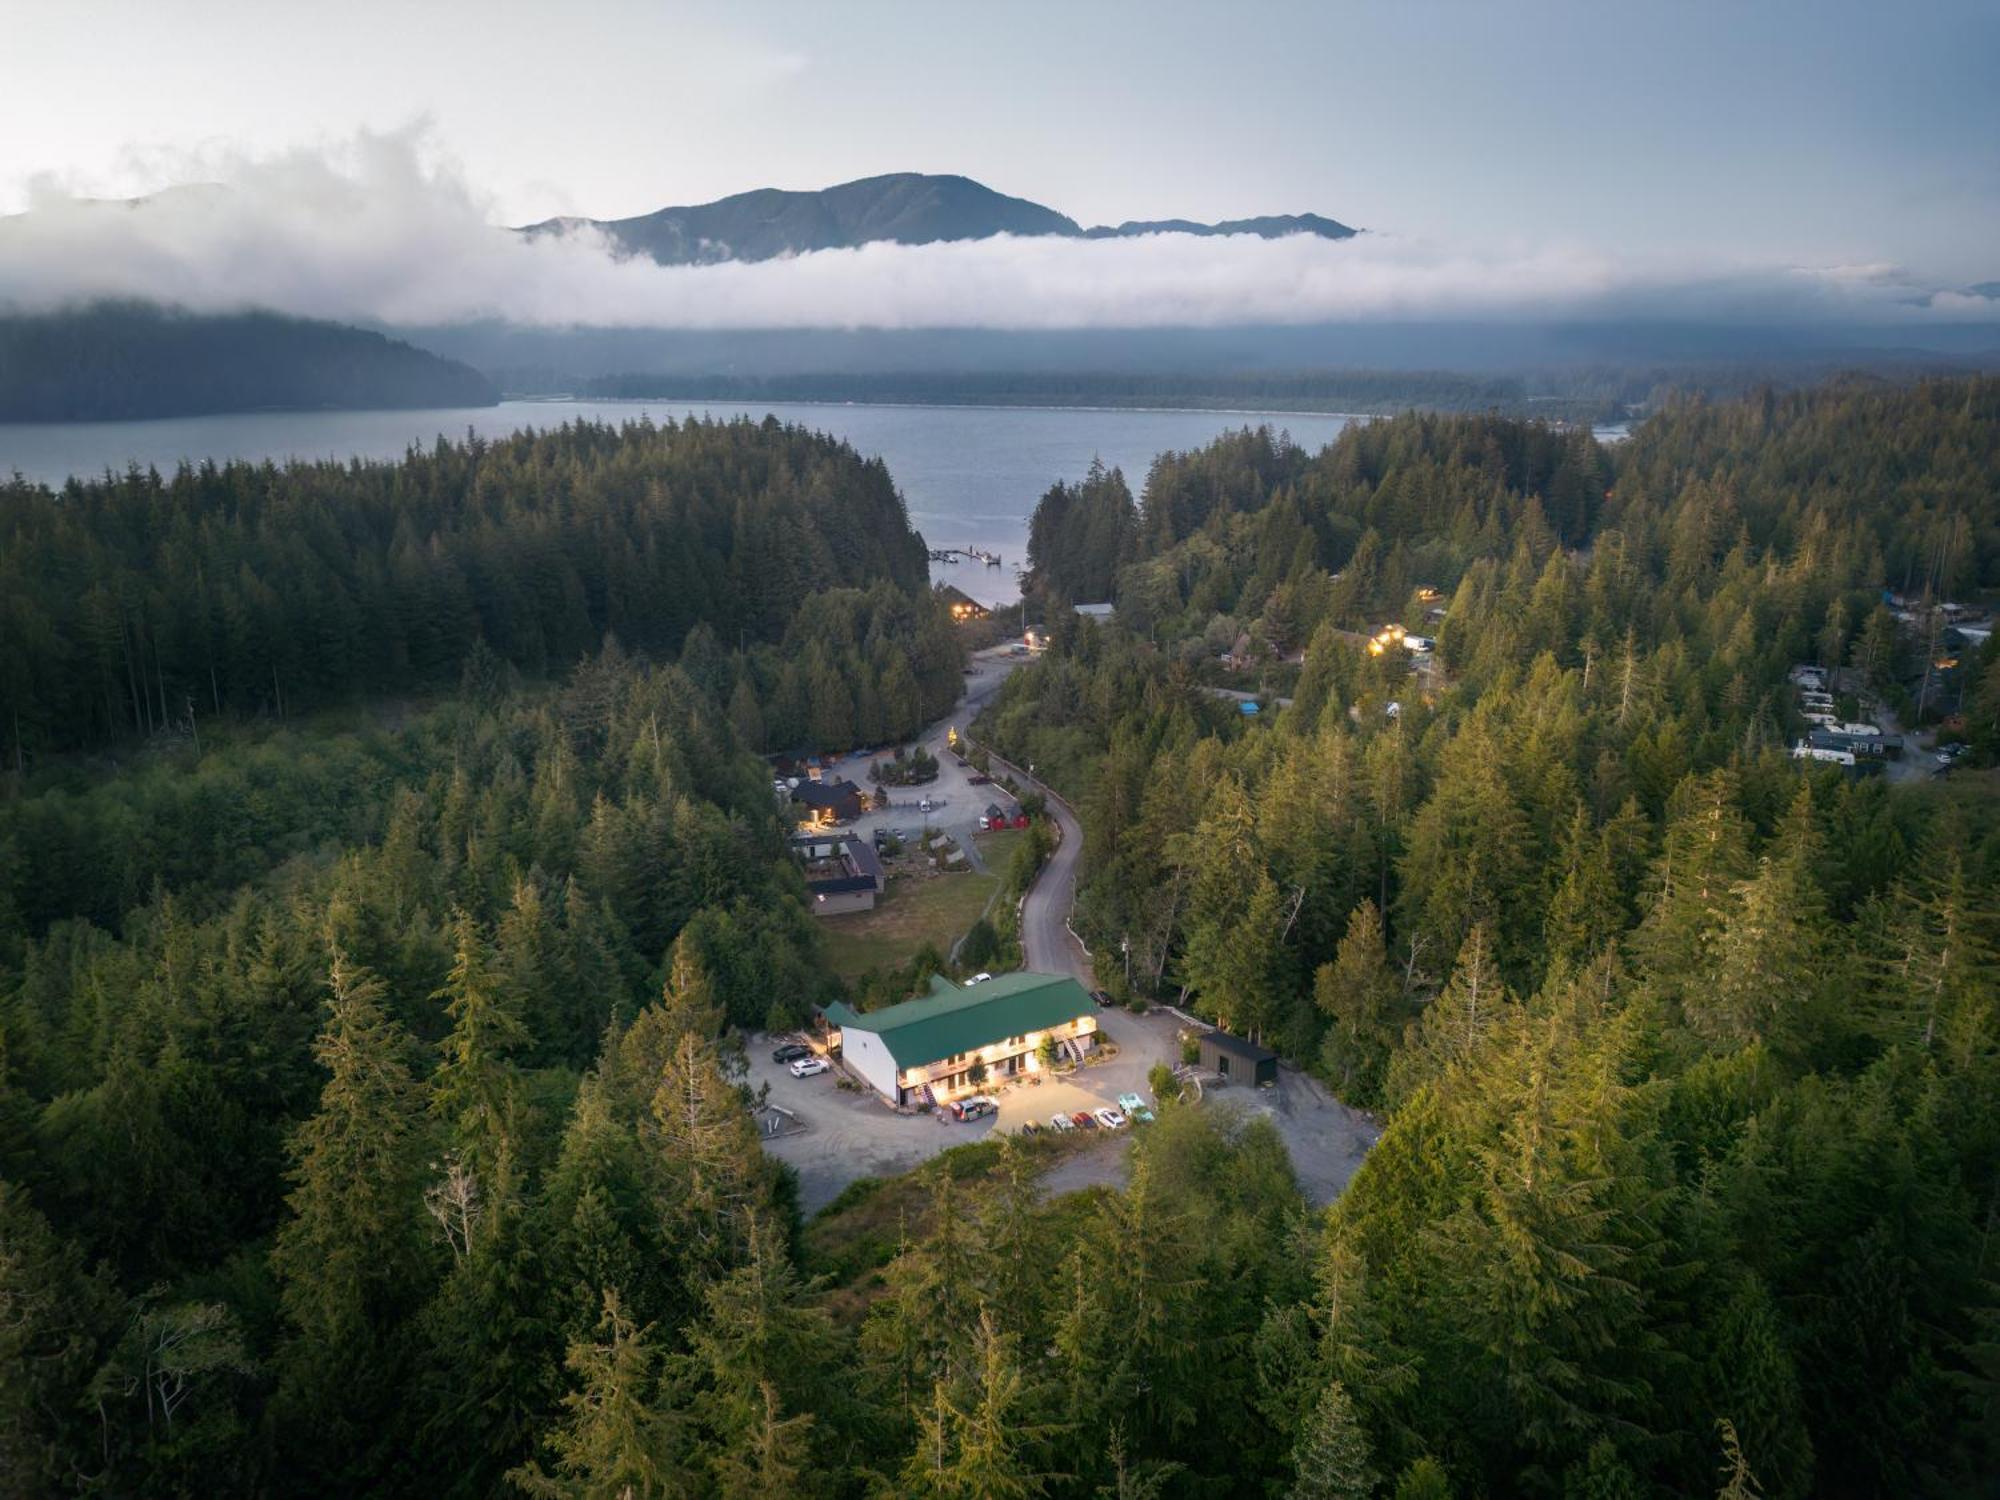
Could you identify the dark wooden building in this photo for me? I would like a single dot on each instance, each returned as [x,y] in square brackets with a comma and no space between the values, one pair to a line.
[830,801]
[1237,1060]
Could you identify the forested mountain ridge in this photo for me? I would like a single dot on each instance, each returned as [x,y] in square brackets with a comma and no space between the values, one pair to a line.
[145,598]
[116,361]
[904,208]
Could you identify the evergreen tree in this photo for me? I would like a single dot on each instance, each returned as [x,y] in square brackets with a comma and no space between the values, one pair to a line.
[1360,995]
[1332,1458]
[618,1441]
[348,1257]
[1424,1479]
[475,1090]
[973,1441]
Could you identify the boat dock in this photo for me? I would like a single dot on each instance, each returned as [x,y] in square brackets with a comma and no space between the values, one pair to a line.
[971,554]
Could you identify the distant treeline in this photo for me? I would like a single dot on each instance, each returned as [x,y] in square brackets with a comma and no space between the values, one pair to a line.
[1597,393]
[119,360]
[1361,391]
[137,603]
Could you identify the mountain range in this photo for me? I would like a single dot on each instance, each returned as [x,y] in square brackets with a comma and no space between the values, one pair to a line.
[904,208]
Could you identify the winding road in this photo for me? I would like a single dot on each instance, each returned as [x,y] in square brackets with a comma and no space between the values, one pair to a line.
[1047,945]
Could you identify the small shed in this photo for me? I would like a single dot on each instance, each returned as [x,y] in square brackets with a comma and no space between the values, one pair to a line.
[1236,1059]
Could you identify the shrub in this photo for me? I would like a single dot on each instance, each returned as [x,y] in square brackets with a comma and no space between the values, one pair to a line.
[981,945]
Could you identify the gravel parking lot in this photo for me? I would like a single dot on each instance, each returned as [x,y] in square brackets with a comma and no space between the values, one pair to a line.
[956,801]
[849,1134]
[852,1134]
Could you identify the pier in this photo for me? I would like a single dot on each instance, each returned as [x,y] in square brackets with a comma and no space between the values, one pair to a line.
[972,554]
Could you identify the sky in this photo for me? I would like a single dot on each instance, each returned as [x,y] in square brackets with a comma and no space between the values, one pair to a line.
[1597,141]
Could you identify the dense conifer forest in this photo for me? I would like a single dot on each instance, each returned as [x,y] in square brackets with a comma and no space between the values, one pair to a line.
[389,881]
[1688,1056]
[781,563]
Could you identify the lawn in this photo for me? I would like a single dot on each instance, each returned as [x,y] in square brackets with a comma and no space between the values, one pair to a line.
[915,910]
[997,849]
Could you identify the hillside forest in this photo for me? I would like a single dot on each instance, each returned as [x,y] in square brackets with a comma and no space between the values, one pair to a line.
[389,883]
[124,360]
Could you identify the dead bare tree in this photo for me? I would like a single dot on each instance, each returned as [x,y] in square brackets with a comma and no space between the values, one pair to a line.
[454,1202]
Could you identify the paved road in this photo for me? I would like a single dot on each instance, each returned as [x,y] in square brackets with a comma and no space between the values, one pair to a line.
[1047,945]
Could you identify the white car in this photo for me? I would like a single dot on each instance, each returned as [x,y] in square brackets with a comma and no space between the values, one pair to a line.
[806,1067]
[980,978]
[1108,1117]
[1062,1122]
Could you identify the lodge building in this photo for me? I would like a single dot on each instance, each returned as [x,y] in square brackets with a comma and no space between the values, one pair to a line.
[958,1038]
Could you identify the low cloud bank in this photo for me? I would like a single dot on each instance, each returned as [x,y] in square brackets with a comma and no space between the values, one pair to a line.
[378,230]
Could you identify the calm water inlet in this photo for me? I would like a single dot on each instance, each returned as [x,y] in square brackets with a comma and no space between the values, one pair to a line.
[970,475]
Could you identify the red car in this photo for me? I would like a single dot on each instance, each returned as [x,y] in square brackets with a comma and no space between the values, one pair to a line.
[1084,1120]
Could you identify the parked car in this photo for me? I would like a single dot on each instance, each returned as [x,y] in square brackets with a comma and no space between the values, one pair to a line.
[1135,1107]
[980,978]
[980,779]
[807,1067]
[1109,1118]
[1029,1127]
[924,805]
[896,834]
[1102,997]
[975,1109]
[1084,1120]
[1062,1122]
[790,1052]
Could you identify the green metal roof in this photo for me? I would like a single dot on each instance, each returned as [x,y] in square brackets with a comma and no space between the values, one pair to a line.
[953,1018]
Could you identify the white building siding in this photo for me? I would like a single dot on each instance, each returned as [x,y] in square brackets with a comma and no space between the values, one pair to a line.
[838,903]
[864,1052]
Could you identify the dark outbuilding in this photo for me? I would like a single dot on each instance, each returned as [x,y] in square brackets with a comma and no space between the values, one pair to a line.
[1238,1060]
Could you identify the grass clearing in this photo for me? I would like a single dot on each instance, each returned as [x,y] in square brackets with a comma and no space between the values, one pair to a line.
[918,909]
[998,849]
[913,911]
